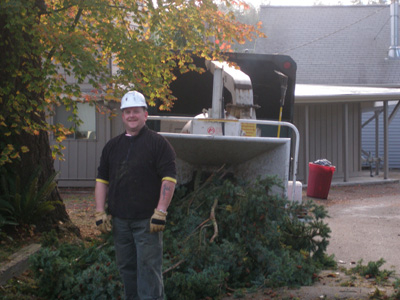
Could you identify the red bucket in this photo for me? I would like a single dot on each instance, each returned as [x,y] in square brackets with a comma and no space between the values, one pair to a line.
[319,180]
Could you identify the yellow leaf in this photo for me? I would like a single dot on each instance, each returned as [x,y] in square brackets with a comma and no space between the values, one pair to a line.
[61,138]
[24,149]
[15,155]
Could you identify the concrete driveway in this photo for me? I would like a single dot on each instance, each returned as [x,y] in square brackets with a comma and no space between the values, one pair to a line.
[367,229]
[365,221]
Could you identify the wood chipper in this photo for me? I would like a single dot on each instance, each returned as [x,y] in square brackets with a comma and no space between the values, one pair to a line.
[226,130]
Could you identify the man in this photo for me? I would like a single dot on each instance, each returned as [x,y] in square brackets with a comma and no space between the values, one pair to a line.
[137,172]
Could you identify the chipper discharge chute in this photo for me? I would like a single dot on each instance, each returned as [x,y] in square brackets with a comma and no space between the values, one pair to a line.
[228,134]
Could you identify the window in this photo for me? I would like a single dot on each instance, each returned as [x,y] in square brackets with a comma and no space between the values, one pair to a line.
[85,130]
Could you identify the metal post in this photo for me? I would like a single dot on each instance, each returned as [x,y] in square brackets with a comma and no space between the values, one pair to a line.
[385,139]
[345,142]
[377,142]
[306,141]
[394,51]
[218,85]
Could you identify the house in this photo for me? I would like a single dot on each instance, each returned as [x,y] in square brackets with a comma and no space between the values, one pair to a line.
[373,131]
[347,47]
[338,46]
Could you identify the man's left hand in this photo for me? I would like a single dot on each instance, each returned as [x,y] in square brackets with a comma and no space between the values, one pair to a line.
[157,221]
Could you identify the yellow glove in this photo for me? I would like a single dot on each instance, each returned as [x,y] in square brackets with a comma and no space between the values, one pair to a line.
[103,221]
[157,221]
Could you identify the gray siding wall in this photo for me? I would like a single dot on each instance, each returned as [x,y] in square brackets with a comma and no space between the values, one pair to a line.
[325,137]
[325,140]
[81,157]
[368,137]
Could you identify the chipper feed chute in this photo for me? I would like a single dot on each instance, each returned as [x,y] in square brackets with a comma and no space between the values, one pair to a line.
[228,134]
[245,157]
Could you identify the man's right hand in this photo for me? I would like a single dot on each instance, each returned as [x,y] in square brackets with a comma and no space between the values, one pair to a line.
[103,221]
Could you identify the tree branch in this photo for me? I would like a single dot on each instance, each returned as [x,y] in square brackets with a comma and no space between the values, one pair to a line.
[71,28]
[174,266]
[214,221]
[208,180]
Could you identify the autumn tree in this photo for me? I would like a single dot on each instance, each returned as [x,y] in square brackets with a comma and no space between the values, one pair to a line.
[52,48]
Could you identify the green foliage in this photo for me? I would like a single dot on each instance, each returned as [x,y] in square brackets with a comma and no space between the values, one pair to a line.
[6,214]
[396,285]
[50,239]
[18,290]
[73,271]
[221,236]
[53,272]
[25,202]
[6,208]
[372,270]
[46,43]
[195,285]
[242,236]
[306,238]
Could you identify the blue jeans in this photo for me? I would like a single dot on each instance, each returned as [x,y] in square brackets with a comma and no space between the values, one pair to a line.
[139,259]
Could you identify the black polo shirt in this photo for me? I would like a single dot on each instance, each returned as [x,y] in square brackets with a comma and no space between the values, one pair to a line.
[134,167]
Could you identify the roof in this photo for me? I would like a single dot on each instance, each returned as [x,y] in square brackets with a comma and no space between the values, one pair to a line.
[311,93]
[340,45]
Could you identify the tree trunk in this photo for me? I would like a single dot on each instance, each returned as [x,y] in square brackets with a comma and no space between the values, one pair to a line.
[20,58]
[40,155]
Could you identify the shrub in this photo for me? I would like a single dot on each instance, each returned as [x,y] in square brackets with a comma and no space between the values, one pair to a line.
[222,235]
[26,202]
[52,272]
[6,214]
[372,270]
[243,234]
[73,271]
[396,286]
[6,208]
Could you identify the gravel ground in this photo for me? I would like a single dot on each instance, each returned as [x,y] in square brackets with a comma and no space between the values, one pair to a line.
[80,207]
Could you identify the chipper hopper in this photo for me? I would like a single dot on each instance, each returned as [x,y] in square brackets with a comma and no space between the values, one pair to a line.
[229,134]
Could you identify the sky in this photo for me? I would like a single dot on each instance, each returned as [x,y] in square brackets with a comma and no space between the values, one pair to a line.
[257,3]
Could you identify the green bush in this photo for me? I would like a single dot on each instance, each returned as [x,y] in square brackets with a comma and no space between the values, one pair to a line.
[73,271]
[221,236]
[53,273]
[256,239]
[396,286]
[372,270]
[25,202]
[195,285]
[7,216]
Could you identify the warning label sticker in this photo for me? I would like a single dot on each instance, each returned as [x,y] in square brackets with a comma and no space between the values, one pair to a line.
[250,129]
[211,130]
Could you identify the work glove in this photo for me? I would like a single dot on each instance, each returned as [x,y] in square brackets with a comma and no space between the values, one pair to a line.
[103,221]
[157,221]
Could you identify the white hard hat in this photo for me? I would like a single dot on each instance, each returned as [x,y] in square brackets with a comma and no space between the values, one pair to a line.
[133,99]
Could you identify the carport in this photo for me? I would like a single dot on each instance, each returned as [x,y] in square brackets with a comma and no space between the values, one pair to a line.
[308,95]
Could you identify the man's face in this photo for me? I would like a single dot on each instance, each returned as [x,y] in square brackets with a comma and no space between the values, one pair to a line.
[134,119]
